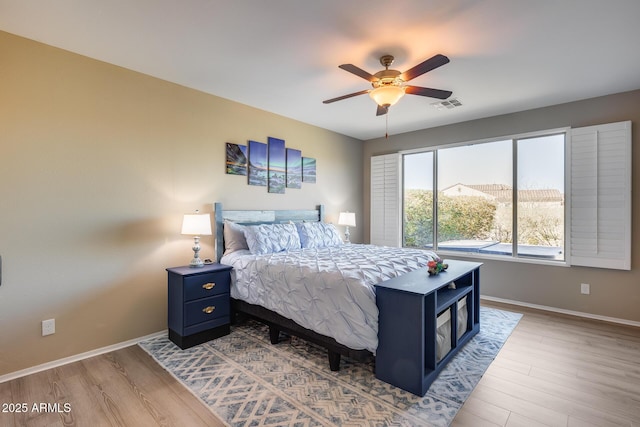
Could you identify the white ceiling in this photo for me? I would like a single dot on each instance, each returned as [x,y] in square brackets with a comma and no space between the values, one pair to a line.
[283,55]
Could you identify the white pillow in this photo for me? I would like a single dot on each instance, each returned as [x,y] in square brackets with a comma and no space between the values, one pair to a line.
[234,239]
[269,238]
[318,235]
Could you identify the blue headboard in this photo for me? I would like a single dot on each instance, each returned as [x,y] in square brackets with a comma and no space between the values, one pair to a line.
[249,217]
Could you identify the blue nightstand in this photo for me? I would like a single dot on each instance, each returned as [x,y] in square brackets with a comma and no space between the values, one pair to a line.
[199,303]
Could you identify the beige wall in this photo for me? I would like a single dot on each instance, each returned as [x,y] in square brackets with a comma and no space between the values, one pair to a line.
[97,166]
[614,294]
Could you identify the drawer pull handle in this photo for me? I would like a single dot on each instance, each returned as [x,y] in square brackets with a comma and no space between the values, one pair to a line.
[208,286]
[209,309]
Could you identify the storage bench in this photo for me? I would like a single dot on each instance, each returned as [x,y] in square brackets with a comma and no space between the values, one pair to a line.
[414,309]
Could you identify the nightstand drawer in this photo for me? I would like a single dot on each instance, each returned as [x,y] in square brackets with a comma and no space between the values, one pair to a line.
[206,309]
[205,285]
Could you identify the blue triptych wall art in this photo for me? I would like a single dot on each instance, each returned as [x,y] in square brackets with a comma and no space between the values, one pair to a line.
[271,165]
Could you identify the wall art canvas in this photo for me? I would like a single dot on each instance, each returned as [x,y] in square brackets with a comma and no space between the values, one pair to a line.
[277,166]
[294,168]
[257,163]
[309,169]
[236,159]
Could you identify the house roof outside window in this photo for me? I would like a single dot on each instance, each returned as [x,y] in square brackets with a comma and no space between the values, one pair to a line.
[502,193]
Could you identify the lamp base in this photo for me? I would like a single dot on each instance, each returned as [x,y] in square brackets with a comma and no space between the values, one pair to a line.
[196,262]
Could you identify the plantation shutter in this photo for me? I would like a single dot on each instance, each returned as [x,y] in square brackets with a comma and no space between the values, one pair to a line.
[385,200]
[600,234]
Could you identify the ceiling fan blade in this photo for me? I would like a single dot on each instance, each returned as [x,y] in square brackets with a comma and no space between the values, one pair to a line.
[382,110]
[340,98]
[358,72]
[428,65]
[426,91]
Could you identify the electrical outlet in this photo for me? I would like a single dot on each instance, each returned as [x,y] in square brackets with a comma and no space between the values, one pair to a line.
[48,327]
[585,289]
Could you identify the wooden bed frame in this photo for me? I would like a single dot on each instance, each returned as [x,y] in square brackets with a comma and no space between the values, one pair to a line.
[275,321]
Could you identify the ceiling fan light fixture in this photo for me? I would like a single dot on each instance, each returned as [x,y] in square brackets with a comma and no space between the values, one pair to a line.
[390,85]
[387,95]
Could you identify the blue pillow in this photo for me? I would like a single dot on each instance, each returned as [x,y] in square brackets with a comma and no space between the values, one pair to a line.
[269,238]
[318,235]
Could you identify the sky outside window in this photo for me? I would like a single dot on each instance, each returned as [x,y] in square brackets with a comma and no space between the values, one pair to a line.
[485,164]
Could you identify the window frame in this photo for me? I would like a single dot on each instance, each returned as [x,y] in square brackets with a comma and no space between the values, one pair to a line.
[513,257]
[598,196]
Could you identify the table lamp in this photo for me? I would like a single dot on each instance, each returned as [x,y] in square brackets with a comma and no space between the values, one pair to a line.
[196,225]
[348,219]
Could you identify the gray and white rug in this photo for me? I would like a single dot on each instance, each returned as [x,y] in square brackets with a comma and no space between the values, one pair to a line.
[247,381]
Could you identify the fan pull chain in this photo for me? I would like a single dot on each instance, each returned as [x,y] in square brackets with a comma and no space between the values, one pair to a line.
[386,131]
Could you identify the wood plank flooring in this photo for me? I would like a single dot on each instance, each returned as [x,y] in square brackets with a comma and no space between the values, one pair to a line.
[121,388]
[554,370]
[557,370]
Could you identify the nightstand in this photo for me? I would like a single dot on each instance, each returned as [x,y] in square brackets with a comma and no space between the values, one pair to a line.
[199,303]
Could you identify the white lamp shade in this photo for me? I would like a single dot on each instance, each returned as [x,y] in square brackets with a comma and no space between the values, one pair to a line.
[387,95]
[196,224]
[347,218]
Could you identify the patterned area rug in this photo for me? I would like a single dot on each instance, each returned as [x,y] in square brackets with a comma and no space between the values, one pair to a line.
[246,380]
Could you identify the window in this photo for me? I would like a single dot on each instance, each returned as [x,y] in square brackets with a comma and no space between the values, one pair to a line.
[475,184]
[540,204]
[418,200]
[481,205]
[581,215]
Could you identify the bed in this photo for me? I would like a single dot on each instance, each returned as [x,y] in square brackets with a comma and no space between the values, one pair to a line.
[316,287]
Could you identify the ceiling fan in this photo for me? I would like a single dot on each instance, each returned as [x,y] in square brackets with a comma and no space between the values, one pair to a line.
[389,85]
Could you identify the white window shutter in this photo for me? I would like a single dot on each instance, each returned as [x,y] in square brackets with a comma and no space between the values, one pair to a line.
[601,196]
[385,200]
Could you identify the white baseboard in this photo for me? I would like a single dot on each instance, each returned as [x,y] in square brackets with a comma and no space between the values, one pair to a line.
[563,311]
[56,363]
[96,352]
